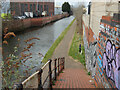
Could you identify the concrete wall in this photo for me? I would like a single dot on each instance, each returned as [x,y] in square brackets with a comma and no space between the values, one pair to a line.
[19,25]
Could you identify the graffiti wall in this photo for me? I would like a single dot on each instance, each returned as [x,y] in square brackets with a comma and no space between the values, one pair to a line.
[90,44]
[108,52]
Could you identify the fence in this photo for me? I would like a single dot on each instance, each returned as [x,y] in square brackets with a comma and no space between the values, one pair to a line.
[44,77]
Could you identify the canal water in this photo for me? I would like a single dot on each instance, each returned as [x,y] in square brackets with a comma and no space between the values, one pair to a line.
[47,34]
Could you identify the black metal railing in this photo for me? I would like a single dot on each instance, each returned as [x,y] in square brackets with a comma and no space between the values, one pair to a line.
[47,74]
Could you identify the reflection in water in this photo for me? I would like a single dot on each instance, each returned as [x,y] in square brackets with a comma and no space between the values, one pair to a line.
[47,34]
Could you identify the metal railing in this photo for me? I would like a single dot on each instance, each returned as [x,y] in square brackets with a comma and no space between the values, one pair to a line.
[44,77]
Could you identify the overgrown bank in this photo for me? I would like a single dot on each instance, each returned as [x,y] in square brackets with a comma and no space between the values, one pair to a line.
[74,49]
[55,44]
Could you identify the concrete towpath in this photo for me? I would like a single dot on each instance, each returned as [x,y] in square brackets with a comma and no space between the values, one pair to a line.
[74,74]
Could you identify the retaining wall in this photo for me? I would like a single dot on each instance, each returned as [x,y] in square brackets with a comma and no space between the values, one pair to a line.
[19,25]
[103,52]
[108,52]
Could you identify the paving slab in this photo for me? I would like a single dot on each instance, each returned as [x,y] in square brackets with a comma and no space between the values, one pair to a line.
[74,74]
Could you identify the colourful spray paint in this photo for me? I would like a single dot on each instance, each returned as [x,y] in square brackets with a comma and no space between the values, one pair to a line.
[108,53]
[111,62]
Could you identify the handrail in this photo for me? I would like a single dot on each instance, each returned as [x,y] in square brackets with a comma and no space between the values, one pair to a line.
[45,65]
[57,69]
[34,74]
[30,77]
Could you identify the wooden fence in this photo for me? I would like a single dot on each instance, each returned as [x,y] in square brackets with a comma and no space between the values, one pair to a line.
[44,77]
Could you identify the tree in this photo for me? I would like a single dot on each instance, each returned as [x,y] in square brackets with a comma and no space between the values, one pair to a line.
[4,4]
[78,13]
[66,7]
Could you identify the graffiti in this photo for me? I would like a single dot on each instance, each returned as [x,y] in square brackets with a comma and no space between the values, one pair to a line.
[100,64]
[111,62]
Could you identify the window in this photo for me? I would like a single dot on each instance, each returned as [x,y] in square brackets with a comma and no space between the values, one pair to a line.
[22,9]
[47,10]
[44,7]
[41,8]
[34,7]
[26,7]
[38,7]
[31,8]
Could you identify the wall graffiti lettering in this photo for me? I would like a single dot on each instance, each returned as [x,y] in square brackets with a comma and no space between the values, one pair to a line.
[100,64]
[111,62]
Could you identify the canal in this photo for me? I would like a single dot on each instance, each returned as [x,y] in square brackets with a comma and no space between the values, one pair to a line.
[47,34]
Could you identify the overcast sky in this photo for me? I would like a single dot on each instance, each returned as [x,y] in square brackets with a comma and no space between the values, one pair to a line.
[72,2]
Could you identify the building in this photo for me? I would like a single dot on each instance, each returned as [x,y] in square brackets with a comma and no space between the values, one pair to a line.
[19,8]
[58,10]
[101,34]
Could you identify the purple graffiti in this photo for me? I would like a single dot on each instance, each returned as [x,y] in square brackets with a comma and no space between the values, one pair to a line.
[111,63]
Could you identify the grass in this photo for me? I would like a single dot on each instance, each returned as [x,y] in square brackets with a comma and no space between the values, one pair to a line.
[74,49]
[55,44]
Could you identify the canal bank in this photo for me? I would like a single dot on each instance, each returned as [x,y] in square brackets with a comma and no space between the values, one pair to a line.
[56,43]
[47,34]
[24,24]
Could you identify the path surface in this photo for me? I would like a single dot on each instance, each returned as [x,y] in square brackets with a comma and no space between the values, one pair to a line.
[74,75]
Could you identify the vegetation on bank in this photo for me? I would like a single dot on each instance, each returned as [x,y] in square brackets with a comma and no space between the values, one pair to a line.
[55,44]
[6,16]
[74,49]
[13,63]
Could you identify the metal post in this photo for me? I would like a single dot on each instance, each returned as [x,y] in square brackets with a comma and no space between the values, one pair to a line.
[18,87]
[40,80]
[58,66]
[50,74]
[63,62]
[55,69]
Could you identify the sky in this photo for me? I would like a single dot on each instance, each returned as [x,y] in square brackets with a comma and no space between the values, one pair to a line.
[60,2]
[72,2]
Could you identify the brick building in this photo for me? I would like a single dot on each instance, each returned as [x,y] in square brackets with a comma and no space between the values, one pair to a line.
[19,8]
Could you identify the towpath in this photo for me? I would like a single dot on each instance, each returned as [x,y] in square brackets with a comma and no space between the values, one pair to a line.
[74,74]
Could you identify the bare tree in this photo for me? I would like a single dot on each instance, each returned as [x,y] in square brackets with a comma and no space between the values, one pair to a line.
[78,13]
[4,5]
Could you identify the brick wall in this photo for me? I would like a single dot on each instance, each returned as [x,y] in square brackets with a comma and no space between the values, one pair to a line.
[90,47]
[103,53]
[18,8]
[19,25]
[108,52]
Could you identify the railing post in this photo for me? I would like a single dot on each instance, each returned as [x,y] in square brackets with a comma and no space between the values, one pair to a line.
[18,87]
[58,66]
[50,75]
[55,69]
[63,62]
[40,80]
